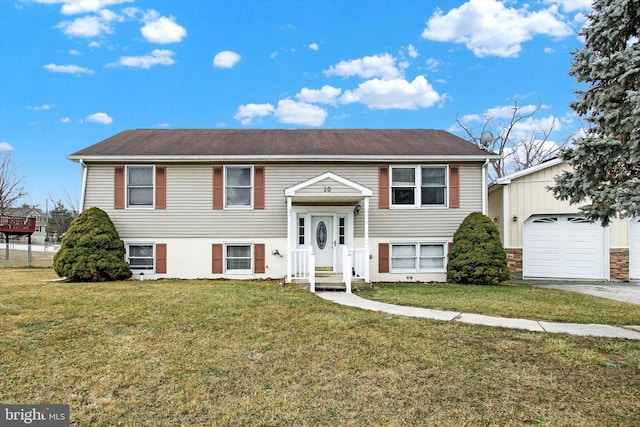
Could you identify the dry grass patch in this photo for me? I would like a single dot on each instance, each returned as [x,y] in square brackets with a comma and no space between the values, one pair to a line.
[227,353]
[509,300]
[19,258]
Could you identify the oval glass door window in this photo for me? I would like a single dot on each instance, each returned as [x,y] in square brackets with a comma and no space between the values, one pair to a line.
[321,235]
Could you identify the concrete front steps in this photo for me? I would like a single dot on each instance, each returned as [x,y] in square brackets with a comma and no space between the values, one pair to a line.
[330,281]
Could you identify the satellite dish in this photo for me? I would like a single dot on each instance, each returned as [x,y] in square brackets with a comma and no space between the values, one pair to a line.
[485,139]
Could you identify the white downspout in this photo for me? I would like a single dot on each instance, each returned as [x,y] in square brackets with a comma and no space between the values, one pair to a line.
[83,189]
[290,256]
[367,250]
[484,187]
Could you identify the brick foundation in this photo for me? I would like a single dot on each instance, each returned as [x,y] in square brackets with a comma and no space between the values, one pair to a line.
[619,264]
[514,262]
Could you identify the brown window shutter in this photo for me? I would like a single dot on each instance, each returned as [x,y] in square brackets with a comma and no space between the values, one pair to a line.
[118,188]
[258,187]
[258,258]
[216,258]
[161,258]
[218,188]
[383,257]
[383,187]
[161,188]
[454,186]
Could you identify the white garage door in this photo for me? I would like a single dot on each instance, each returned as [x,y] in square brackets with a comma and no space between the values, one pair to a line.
[563,246]
[634,249]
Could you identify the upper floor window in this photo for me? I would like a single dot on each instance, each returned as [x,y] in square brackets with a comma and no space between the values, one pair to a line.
[431,181]
[238,186]
[139,186]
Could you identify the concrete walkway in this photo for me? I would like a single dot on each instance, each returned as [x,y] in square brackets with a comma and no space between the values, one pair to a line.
[351,300]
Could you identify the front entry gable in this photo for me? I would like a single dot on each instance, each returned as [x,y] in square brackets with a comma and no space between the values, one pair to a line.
[328,188]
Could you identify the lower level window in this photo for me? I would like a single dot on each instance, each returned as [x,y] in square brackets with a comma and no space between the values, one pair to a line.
[238,258]
[140,257]
[417,257]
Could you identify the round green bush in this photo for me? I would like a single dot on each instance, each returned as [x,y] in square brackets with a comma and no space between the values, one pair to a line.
[477,256]
[91,250]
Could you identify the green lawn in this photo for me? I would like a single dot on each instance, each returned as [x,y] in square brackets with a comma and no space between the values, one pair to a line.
[509,300]
[201,353]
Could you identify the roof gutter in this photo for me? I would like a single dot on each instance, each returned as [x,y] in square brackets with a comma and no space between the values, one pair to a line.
[282,158]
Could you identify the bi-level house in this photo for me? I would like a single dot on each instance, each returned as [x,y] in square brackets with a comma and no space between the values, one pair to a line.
[372,204]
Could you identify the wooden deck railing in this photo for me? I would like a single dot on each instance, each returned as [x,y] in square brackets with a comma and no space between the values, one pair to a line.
[17,225]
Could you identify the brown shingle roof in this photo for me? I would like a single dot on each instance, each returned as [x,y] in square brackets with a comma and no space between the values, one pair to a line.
[281,142]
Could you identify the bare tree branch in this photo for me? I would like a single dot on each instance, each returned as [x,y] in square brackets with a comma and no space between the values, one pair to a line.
[11,187]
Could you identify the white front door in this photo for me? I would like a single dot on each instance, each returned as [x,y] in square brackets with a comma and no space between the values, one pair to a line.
[322,239]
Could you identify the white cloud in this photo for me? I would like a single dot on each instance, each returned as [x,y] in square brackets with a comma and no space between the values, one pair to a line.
[488,28]
[69,69]
[393,94]
[102,118]
[300,113]
[382,66]
[65,120]
[94,44]
[548,50]
[74,52]
[88,26]
[246,113]
[5,146]
[314,46]
[432,64]
[572,5]
[162,29]
[156,57]
[42,107]
[325,95]
[75,7]
[413,52]
[226,59]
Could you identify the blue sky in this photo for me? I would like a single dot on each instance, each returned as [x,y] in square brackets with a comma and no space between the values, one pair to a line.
[74,72]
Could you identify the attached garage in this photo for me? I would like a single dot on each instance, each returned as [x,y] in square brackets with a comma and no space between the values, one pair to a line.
[565,247]
[634,249]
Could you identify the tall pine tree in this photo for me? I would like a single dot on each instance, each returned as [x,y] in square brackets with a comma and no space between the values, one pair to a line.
[605,178]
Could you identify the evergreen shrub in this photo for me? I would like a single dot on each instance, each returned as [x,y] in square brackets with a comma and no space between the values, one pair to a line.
[91,250]
[477,256]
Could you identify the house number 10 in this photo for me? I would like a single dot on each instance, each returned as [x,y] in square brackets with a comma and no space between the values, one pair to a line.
[327,189]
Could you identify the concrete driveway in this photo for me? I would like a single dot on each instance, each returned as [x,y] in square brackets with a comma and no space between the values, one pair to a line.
[626,292]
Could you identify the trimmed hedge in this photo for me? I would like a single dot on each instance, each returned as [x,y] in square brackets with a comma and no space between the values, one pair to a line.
[477,256]
[91,250]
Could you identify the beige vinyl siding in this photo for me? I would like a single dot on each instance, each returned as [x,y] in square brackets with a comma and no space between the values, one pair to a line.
[528,195]
[494,208]
[189,210]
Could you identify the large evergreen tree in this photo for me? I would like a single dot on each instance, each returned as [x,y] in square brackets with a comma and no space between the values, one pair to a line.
[606,162]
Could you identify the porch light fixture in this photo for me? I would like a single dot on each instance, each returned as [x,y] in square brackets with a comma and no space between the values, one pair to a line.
[515,218]
[357,209]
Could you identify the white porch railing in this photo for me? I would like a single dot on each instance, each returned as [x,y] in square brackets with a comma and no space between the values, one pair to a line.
[303,266]
[354,264]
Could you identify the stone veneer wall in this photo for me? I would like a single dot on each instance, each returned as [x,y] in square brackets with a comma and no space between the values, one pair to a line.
[619,264]
[514,262]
